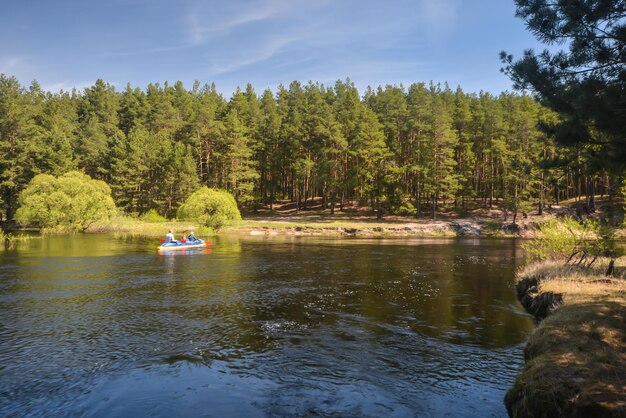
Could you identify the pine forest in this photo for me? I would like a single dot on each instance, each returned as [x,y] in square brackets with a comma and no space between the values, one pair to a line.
[415,150]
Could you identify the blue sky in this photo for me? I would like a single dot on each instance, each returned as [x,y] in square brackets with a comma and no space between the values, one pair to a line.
[64,44]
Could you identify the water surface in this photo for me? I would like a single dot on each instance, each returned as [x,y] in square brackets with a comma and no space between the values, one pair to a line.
[96,325]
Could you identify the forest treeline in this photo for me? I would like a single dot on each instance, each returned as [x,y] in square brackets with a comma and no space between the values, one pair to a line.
[397,149]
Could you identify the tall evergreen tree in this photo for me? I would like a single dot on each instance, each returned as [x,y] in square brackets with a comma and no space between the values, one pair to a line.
[268,151]
[98,118]
[240,168]
[441,142]
[585,84]
[419,103]
[15,125]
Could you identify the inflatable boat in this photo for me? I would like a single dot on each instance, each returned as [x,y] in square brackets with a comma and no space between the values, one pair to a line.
[179,245]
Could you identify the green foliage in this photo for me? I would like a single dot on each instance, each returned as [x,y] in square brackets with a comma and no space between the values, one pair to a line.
[556,240]
[72,202]
[406,208]
[427,145]
[574,242]
[585,83]
[210,207]
[153,216]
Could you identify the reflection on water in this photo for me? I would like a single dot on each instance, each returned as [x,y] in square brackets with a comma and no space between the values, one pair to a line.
[255,327]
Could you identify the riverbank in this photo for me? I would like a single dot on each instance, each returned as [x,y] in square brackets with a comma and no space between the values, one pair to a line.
[316,225]
[319,226]
[338,225]
[285,219]
[576,357]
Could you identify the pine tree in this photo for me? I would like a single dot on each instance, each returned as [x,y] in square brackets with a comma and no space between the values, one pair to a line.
[207,132]
[370,155]
[585,84]
[465,157]
[326,133]
[241,172]
[292,142]
[134,109]
[98,118]
[419,106]
[268,152]
[15,123]
[441,180]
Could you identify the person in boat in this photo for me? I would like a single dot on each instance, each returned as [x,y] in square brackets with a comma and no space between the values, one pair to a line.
[191,237]
[169,237]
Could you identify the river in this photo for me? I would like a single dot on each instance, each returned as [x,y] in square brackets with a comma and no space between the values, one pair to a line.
[98,325]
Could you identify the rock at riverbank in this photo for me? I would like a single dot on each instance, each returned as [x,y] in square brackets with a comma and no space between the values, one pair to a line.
[576,358]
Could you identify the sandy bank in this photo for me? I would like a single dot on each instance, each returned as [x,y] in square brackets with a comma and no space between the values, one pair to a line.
[393,227]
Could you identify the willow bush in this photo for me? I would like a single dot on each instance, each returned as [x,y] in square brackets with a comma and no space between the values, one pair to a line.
[574,242]
[210,207]
[71,202]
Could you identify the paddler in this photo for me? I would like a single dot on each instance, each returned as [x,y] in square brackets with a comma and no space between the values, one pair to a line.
[169,237]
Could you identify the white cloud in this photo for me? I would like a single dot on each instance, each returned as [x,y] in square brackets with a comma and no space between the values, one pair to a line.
[15,65]
[68,86]
[159,50]
[258,53]
[203,23]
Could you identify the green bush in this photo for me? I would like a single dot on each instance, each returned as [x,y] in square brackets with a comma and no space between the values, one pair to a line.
[406,208]
[556,239]
[574,242]
[70,202]
[210,207]
[153,216]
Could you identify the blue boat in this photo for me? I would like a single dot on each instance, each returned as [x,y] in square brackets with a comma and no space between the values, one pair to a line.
[179,245]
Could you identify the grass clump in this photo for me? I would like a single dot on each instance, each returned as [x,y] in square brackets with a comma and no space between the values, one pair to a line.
[8,240]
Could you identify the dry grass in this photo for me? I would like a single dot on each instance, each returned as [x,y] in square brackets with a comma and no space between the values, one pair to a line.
[577,284]
[576,358]
[587,289]
[558,269]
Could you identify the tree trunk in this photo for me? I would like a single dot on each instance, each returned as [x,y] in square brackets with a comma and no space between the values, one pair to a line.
[611,268]
[592,196]
[541,196]
[418,205]
[558,192]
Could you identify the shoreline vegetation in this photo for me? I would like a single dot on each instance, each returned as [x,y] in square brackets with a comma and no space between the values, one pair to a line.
[354,221]
[317,223]
[576,357]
